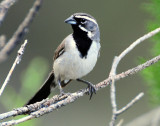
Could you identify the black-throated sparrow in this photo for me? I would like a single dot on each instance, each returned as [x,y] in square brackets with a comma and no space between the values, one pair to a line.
[75,57]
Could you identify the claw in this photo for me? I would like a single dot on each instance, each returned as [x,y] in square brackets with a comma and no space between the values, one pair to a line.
[90,86]
[91,91]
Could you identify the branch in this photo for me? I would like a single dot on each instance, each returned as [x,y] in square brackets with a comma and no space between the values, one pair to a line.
[56,102]
[133,101]
[131,47]
[17,61]
[116,61]
[20,32]
[120,122]
[4,6]
[113,100]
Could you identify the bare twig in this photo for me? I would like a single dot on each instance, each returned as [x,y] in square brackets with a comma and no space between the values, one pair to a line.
[120,122]
[133,101]
[23,110]
[134,44]
[4,6]
[113,100]
[20,32]
[13,122]
[17,60]
[116,61]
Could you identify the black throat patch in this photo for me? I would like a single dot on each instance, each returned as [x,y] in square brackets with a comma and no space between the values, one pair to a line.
[83,42]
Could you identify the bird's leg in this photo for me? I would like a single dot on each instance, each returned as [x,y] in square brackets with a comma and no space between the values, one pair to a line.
[60,87]
[90,86]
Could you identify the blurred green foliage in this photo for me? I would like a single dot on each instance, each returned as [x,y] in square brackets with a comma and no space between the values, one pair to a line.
[152,74]
[31,79]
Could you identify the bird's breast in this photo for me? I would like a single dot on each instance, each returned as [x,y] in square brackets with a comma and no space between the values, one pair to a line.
[71,65]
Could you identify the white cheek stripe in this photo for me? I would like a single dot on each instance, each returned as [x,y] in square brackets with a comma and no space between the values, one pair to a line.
[89,33]
[88,18]
[83,28]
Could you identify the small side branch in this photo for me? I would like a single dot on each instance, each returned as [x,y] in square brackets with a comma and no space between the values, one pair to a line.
[17,61]
[131,47]
[20,32]
[133,101]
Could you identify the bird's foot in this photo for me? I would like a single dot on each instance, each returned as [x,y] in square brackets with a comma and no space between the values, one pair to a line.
[92,90]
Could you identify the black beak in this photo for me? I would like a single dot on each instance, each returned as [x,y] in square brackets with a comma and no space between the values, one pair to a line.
[70,20]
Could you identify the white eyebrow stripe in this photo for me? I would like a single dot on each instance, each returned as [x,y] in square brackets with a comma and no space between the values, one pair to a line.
[88,18]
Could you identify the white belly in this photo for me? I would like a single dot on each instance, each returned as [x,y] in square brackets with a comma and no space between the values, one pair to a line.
[71,66]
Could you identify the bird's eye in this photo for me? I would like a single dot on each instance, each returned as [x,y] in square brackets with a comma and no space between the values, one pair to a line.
[83,20]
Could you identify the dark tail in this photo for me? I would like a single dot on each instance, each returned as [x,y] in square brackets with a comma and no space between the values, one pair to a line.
[44,91]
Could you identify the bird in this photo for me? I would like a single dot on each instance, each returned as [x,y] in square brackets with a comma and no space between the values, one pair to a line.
[74,58]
